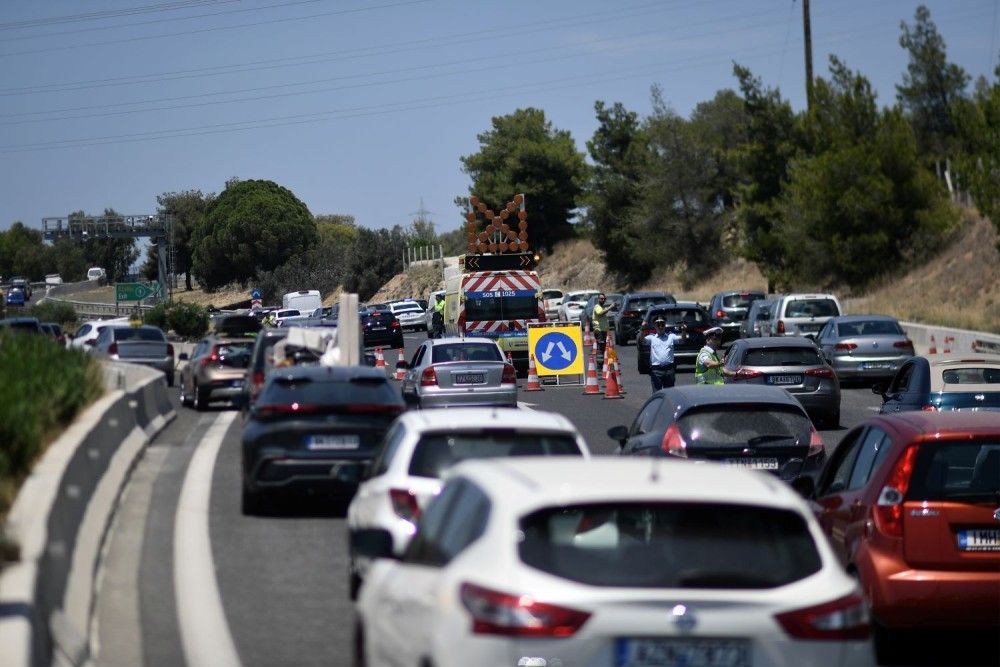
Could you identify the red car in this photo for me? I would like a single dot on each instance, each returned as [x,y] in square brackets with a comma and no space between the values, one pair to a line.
[911,503]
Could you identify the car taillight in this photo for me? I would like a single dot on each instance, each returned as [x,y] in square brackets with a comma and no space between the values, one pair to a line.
[903,345]
[673,443]
[781,327]
[820,372]
[256,382]
[395,324]
[930,408]
[747,374]
[113,348]
[815,441]
[428,378]
[496,613]
[211,359]
[630,313]
[846,618]
[509,375]
[847,347]
[646,331]
[720,314]
[272,409]
[404,504]
[888,510]
[541,314]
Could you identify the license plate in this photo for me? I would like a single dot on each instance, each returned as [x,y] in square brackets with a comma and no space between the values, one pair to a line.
[677,652]
[809,327]
[237,383]
[378,328]
[986,539]
[875,366]
[756,464]
[469,378]
[784,379]
[349,441]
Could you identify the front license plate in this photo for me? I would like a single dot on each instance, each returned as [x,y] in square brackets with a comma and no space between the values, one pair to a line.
[469,378]
[328,442]
[754,463]
[784,379]
[985,539]
[677,652]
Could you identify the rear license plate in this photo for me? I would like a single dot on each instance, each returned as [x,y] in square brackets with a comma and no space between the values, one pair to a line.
[809,327]
[875,366]
[349,441]
[676,652]
[469,378]
[237,383]
[784,379]
[985,539]
[756,464]
[378,328]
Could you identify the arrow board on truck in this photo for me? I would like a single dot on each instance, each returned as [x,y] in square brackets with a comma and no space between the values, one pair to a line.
[557,350]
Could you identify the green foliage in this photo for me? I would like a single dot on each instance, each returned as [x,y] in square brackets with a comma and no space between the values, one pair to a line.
[157,316]
[62,314]
[188,320]
[375,259]
[978,123]
[115,256]
[42,388]
[187,210]
[22,253]
[252,226]
[522,153]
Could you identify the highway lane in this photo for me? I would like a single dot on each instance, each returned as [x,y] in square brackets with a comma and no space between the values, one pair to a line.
[281,578]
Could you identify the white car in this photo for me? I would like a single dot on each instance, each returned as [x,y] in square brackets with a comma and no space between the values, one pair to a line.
[405,472]
[573,304]
[285,317]
[551,299]
[88,332]
[409,314]
[632,562]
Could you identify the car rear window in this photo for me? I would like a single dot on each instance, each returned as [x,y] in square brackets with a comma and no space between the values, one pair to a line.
[738,425]
[643,302]
[676,316]
[740,300]
[870,328]
[782,356]
[437,452]
[139,334]
[971,375]
[968,470]
[811,308]
[465,352]
[670,545]
[364,391]
[234,355]
[552,294]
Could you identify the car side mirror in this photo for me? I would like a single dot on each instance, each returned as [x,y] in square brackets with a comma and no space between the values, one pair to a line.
[619,433]
[372,543]
[879,388]
[183,356]
[805,486]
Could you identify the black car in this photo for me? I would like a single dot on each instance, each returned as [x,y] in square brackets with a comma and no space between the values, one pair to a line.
[940,382]
[312,428]
[22,325]
[757,427]
[380,328]
[728,310]
[687,319]
[631,310]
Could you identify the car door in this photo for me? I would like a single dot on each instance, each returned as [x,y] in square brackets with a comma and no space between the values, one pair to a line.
[411,378]
[640,439]
[826,339]
[838,495]
[899,391]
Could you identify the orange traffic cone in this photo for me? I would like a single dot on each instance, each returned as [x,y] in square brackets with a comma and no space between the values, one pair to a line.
[604,366]
[933,348]
[400,371]
[586,335]
[618,375]
[612,390]
[533,383]
[592,386]
[379,359]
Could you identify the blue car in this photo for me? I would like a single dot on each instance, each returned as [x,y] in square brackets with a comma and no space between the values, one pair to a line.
[15,297]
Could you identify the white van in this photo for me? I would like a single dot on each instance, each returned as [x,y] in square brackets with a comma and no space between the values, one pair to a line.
[801,314]
[95,273]
[304,301]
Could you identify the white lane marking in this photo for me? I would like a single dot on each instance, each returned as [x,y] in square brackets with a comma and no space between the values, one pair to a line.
[204,631]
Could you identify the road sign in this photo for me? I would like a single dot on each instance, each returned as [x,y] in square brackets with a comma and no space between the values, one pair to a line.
[256,304]
[135,291]
[557,349]
[255,294]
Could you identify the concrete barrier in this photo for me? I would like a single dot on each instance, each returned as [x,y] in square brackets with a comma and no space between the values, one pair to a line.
[930,339]
[62,514]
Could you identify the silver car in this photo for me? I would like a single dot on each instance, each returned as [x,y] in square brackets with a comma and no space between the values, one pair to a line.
[459,372]
[146,345]
[864,346]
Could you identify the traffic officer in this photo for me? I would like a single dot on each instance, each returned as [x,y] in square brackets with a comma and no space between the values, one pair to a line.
[662,368]
[599,324]
[709,368]
[437,319]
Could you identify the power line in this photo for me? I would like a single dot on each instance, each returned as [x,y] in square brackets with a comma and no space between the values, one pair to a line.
[109,13]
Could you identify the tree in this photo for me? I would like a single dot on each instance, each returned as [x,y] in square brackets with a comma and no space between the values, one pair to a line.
[375,259]
[930,86]
[115,255]
[252,226]
[522,153]
[721,125]
[978,123]
[186,210]
[23,253]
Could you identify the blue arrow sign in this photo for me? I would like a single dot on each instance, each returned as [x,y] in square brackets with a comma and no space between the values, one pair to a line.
[255,293]
[555,350]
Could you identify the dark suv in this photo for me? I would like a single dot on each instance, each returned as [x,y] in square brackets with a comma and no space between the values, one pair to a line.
[381,328]
[687,319]
[632,309]
[728,310]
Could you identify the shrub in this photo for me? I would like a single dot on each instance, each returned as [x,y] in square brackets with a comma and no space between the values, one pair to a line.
[157,316]
[188,320]
[53,311]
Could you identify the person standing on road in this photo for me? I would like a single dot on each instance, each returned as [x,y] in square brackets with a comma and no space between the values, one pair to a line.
[599,324]
[438,318]
[662,368]
[710,369]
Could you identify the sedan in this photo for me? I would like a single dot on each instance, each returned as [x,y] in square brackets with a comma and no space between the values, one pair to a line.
[909,503]
[409,314]
[792,363]
[146,345]
[544,561]
[756,427]
[864,346]
[632,309]
[572,305]
[943,382]
[311,427]
[687,319]
[405,474]
[381,328]
[459,372]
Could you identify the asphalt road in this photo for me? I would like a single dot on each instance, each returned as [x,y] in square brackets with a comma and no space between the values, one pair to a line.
[281,579]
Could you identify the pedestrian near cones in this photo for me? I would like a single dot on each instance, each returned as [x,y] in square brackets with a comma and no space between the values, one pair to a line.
[592,386]
[533,383]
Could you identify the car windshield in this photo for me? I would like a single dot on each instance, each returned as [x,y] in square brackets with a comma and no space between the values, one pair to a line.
[465,352]
[971,375]
[670,545]
[139,334]
[782,356]
[437,452]
[811,308]
[968,470]
[578,296]
[870,328]
[407,307]
[722,425]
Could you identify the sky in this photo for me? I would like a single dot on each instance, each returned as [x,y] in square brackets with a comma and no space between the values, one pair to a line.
[365,107]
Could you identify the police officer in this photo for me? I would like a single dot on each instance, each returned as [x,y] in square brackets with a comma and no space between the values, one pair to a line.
[662,368]
[599,324]
[709,368]
[437,319]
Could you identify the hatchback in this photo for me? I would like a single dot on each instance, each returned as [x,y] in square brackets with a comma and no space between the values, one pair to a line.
[216,370]
[145,345]
[15,297]
[381,328]
[939,382]
[406,472]
[909,503]
[757,427]
[86,335]
[801,314]
[628,562]
[632,309]
[311,426]
[864,346]
[794,364]
[551,299]
[687,319]
[728,310]
[459,372]
[572,304]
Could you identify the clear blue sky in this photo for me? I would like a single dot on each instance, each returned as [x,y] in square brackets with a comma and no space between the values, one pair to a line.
[363,107]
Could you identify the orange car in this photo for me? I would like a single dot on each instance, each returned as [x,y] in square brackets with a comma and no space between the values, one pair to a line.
[911,503]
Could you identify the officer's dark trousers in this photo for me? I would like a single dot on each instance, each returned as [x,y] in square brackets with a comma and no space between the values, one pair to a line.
[662,376]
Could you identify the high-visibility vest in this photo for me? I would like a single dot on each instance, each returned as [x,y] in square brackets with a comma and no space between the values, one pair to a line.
[705,375]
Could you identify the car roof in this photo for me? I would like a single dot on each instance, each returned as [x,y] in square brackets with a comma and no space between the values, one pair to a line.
[777,341]
[443,419]
[330,373]
[861,318]
[733,292]
[959,359]
[932,425]
[450,340]
[630,295]
[687,396]
[681,305]
[807,295]
[18,320]
[529,483]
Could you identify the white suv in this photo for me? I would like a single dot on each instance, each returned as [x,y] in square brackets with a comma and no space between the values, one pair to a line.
[800,314]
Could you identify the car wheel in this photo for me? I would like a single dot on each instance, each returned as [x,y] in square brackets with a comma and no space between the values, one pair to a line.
[185,399]
[832,419]
[200,399]
[250,502]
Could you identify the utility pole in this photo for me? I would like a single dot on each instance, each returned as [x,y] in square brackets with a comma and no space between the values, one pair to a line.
[807,34]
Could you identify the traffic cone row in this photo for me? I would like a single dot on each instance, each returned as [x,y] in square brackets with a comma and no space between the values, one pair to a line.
[379,359]
[592,386]
[400,371]
[533,383]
